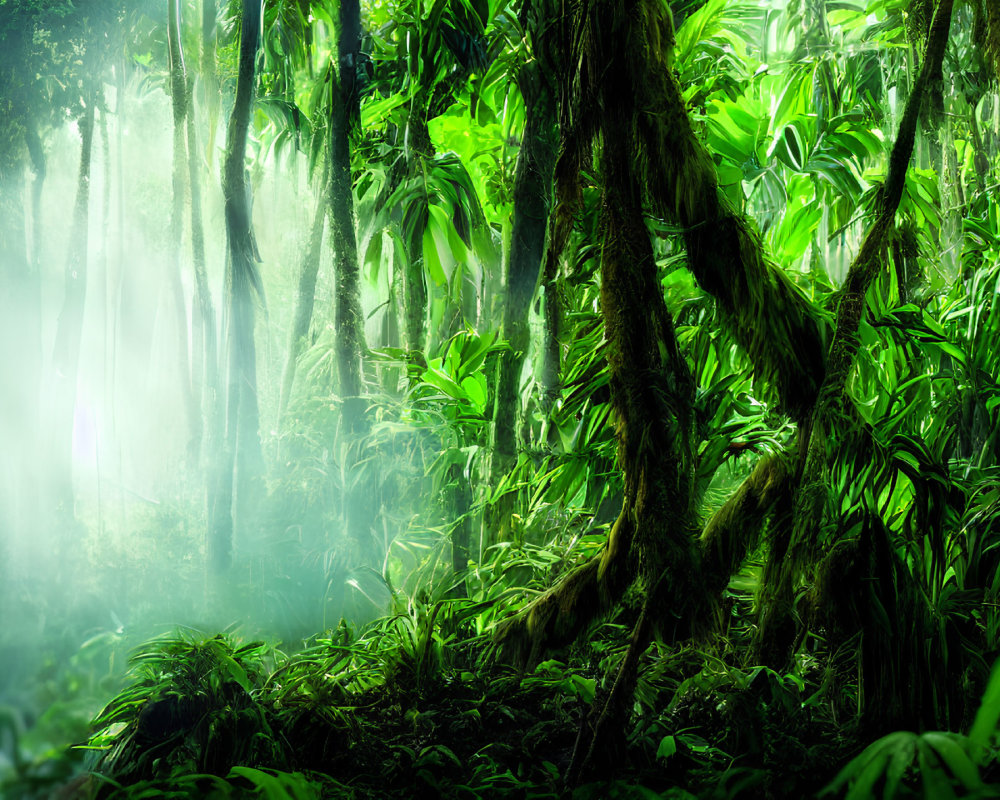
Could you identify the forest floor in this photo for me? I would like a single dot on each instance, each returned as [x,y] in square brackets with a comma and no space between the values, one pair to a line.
[385,717]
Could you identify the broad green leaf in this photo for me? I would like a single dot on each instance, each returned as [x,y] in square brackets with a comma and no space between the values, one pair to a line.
[667,748]
[988,716]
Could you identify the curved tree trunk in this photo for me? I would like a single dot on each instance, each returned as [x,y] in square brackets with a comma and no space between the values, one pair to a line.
[777,630]
[238,468]
[652,390]
[625,90]
[765,312]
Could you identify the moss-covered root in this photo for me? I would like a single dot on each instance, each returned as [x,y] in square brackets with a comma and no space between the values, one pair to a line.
[768,316]
[602,731]
[734,530]
[558,616]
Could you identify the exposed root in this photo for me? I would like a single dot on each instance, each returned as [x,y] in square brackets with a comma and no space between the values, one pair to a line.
[556,618]
[734,530]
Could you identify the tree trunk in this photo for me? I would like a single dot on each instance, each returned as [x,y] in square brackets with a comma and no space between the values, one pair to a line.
[414,274]
[179,97]
[652,390]
[26,321]
[532,193]
[348,314]
[306,296]
[238,469]
[18,394]
[461,506]
[205,371]
[209,75]
[776,631]
[359,505]
[66,357]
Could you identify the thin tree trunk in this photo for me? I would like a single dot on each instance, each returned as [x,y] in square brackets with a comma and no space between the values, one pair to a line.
[209,75]
[66,357]
[414,274]
[239,462]
[777,629]
[116,281]
[29,327]
[305,298]
[532,192]
[348,314]
[17,340]
[553,309]
[461,498]
[179,97]
[102,280]
[205,372]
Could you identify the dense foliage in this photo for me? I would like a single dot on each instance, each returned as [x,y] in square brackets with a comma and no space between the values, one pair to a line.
[591,399]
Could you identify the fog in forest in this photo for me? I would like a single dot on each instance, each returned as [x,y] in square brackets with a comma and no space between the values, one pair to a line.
[128,560]
[471,398]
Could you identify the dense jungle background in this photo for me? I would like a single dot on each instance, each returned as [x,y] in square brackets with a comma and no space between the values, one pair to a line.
[462,398]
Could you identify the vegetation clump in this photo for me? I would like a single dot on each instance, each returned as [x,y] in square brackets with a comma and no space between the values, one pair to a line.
[583,399]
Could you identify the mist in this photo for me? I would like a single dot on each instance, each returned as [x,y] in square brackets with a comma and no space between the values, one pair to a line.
[124,556]
[462,398]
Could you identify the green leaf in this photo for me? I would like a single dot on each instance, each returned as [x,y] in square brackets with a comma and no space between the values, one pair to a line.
[667,748]
[988,715]
[433,245]
[584,688]
[375,112]
[955,758]
[475,390]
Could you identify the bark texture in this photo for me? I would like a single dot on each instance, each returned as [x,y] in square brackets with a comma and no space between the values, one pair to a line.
[532,200]
[349,317]
[305,297]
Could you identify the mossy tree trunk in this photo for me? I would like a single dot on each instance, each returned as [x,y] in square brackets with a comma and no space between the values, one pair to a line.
[531,200]
[652,389]
[349,318]
[359,491]
[420,149]
[238,469]
[832,407]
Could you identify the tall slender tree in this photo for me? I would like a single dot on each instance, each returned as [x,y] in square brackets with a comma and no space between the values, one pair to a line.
[180,102]
[305,297]
[344,116]
[532,199]
[205,366]
[20,323]
[66,357]
[238,469]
